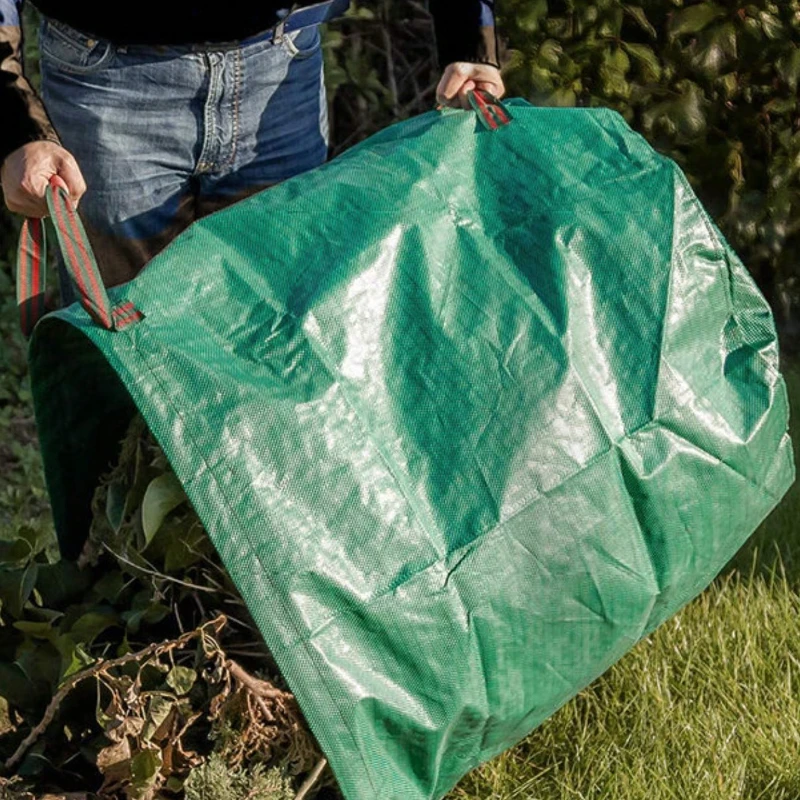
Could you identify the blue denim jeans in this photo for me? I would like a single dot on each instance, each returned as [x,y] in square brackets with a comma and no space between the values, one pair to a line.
[165,135]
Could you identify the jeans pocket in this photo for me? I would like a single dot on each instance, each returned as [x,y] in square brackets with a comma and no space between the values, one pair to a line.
[303,42]
[70,50]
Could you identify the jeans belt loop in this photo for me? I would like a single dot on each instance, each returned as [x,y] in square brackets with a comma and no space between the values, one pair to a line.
[277,37]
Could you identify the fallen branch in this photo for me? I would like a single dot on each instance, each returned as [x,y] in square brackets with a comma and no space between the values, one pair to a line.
[311,779]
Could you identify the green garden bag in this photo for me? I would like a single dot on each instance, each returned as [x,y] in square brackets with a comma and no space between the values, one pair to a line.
[467,411]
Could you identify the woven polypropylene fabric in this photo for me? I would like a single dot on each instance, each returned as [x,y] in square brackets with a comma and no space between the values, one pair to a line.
[466,413]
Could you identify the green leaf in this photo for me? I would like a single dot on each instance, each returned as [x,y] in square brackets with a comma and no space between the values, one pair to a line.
[716,48]
[564,98]
[530,17]
[115,504]
[646,58]
[16,552]
[781,105]
[38,630]
[145,766]
[550,53]
[61,583]
[16,687]
[730,84]
[789,68]
[152,613]
[16,587]
[181,679]
[109,586]
[771,25]
[693,19]
[36,659]
[88,627]
[73,657]
[613,69]
[187,549]
[641,18]
[164,494]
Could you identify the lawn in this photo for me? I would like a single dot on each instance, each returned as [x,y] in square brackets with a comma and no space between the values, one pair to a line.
[707,707]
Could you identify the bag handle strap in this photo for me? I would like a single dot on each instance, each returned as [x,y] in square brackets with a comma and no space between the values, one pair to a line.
[79,261]
[491,112]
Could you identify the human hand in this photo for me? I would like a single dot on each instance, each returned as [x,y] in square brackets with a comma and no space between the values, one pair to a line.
[27,171]
[461,76]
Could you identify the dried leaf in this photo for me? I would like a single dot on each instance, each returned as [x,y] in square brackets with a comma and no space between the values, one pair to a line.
[112,755]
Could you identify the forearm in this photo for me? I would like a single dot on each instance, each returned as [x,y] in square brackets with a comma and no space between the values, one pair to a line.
[465,31]
[24,118]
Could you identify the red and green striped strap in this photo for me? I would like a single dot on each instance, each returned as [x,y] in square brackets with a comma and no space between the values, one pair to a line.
[80,263]
[491,112]
[30,274]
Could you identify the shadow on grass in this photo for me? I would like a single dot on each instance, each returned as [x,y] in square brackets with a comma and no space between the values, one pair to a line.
[775,545]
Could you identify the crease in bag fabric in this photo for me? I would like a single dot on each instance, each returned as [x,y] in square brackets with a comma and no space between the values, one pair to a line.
[467,411]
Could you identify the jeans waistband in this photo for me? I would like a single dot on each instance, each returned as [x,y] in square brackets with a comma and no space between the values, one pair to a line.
[295,19]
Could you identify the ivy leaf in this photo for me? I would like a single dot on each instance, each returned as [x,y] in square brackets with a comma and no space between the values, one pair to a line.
[550,53]
[145,766]
[613,69]
[61,583]
[529,18]
[693,19]
[73,657]
[563,98]
[16,687]
[88,627]
[646,58]
[15,553]
[715,48]
[164,494]
[115,504]
[187,549]
[159,711]
[789,68]
[641,18]
[37,630]
[781,105]
[771,25]
[181,679]
[16,587]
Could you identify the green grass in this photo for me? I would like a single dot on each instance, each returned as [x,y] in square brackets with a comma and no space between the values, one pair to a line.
[706,708]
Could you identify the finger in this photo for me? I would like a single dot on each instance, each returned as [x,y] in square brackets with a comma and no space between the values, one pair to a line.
[57,180]
[492,86]
[452,80]
[462,94]
[27,206]
[69,174]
